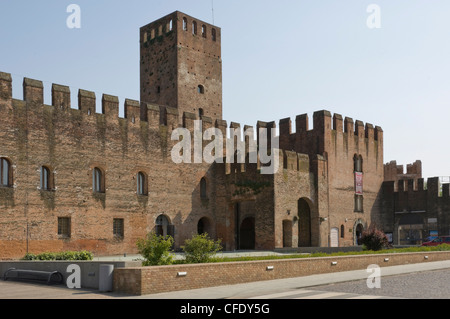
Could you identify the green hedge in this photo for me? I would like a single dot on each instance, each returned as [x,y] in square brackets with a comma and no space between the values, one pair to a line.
[65,255]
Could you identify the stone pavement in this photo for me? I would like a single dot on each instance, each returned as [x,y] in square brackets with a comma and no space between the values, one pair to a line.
[17,290]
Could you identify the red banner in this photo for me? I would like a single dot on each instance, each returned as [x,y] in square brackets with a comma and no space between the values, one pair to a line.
[358,183]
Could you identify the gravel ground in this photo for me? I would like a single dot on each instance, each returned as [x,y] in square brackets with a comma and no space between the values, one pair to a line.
[420,285]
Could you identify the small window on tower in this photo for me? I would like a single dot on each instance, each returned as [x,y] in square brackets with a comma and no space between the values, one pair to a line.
[203,189]
[194,27]
[98,181]
[46,179]
[213,34]
[184,24]
[359,207]
[358,163]
[5,172]
[201,89]
[204,31]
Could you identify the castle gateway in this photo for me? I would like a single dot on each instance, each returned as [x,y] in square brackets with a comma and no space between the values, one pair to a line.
[75,179]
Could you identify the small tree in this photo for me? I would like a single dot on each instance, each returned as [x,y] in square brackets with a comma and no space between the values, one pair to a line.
[156,250]
[374,239]
[200,248]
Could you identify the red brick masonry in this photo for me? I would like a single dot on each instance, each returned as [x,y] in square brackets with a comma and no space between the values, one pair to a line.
[151,280]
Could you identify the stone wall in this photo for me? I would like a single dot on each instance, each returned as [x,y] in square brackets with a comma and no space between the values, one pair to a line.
[152,280]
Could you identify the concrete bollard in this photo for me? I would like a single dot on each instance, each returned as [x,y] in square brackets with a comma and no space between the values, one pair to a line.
[106,278]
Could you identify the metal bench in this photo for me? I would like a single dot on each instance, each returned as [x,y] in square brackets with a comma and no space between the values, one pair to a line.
[49,277]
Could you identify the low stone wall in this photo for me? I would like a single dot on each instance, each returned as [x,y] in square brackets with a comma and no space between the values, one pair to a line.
[151,280]
[89,269]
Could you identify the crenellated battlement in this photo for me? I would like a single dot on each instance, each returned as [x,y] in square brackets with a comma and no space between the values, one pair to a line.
[180,23]
[134,111]
[394,172]
[325,121]
[297,148]
[432,188]
[331,135]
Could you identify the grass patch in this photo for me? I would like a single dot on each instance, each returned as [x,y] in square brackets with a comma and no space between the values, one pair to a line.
[444,247]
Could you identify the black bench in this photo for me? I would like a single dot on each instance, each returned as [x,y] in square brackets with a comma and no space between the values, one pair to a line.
[49,277]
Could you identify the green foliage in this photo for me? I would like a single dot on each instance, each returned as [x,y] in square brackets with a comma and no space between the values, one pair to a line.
[201,249]
[156,250]
[65,255]
[374,239]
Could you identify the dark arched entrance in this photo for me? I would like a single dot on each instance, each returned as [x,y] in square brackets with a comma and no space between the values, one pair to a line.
[304,223]
[247,234]
[204,226]
[358,233]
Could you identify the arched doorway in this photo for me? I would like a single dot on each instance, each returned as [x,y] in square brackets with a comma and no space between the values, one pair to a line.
[304,223]
[163,226]
[359,228]
[247,234]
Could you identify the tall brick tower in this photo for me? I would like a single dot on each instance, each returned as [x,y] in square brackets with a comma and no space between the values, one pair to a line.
[181,65]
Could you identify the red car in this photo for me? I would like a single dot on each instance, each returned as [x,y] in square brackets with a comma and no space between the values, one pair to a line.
[438,241]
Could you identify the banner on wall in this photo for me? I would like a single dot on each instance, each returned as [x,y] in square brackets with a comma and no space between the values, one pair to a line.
[358,183]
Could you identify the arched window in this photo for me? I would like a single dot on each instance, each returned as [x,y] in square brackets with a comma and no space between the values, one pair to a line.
[46,179]
[358,163]
[194,27]
[200,113]
[170,25]
[204,31]
[213,34]
[5,172]
[98,181]
[142,184]
[201,89]
[185,24]
[203,188]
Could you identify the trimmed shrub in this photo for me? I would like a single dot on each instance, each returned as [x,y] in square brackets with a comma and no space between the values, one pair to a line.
[156,250]
[201,249]
[65,255]
[374,239]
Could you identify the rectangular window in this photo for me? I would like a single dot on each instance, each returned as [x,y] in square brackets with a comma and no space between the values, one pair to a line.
[5,172]
[359,200]
[118,231]
[64,227]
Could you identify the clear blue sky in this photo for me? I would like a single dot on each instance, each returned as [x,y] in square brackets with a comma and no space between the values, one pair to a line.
[280,59]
